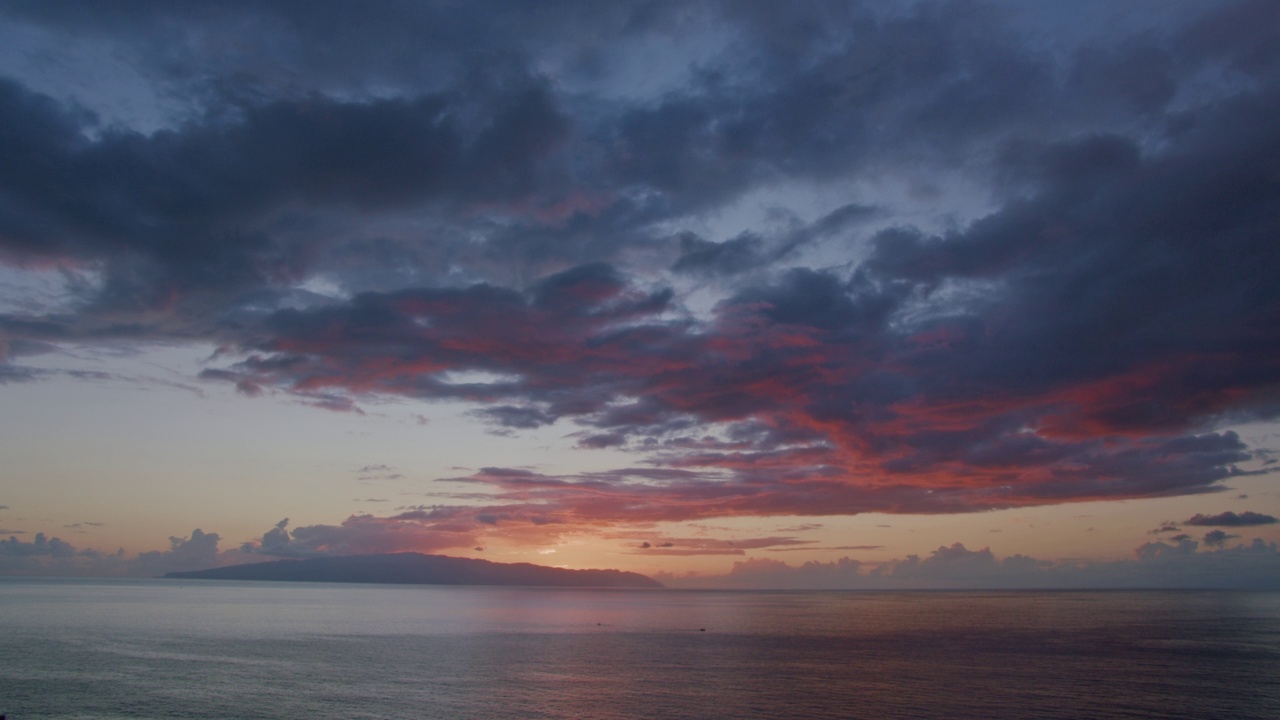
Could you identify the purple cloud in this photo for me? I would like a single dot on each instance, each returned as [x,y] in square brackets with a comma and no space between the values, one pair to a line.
[1230,519]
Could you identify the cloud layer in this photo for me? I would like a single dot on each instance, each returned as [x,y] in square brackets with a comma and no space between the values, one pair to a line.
[989,271]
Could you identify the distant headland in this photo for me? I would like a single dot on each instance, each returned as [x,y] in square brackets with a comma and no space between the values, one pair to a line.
[419,569]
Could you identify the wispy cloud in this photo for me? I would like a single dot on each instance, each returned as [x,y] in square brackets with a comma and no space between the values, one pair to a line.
[833,547]
[709,546]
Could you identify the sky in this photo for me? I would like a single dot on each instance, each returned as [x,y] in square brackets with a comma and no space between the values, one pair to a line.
[741,294]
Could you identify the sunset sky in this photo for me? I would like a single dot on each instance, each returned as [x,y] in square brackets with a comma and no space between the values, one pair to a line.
[776,293]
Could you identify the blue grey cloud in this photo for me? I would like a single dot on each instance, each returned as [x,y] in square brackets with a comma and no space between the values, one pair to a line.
[1231,519]
[810,245]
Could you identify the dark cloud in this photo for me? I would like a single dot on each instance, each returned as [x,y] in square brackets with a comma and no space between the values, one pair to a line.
[194,208]
[1235,33]
[331,401]
[483,211]
[802,528]
[40,546]
[18,373]
[1216,538]
[510,416]
[603,440]
[198,551]
[420,531]
[1230,519]
[711,546]
[834,547]
[846,85]
[750,251]
[53,556]
[283,47]
[730,257]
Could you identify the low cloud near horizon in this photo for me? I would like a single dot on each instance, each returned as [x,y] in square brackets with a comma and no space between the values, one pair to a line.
[1183,563]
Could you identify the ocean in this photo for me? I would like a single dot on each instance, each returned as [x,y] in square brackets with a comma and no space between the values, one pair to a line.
[107,649]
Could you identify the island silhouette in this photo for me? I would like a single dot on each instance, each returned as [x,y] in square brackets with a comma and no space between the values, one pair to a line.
[418,569]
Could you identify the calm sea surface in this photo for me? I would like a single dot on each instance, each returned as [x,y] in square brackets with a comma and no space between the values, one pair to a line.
[188,649]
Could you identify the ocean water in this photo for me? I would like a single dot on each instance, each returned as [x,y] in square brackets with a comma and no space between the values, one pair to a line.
[204,649]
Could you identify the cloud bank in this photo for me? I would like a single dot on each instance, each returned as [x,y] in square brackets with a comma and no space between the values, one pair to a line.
[1155,565]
